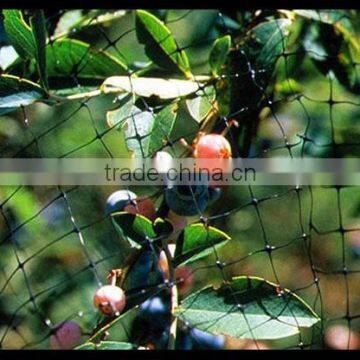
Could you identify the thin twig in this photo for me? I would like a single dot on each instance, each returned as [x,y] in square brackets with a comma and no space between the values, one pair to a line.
[174,299]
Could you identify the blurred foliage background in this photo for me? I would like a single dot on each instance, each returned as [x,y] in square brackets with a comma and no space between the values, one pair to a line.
[56,244]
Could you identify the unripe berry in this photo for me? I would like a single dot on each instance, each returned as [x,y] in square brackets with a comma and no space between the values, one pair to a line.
[67,335]
[162,161]
[212,146]
[110,300]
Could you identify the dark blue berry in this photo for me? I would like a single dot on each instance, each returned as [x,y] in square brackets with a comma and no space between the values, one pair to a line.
[214,194]
[187,200]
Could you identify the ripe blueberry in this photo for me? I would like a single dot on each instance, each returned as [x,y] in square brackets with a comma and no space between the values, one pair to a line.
[67,335]
[110,299]
[152,321]
[187,200]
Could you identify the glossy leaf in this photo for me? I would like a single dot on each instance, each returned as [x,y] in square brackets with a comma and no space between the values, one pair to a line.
[16,92]
[337,18]
[269,41]
[219,52]
[144,132]
[202,103]
[136,229]
[331,53]
[119,324]
[19,33]
[162,127]
[247,307]
[106,345]
[254,61]
[137,129]
[147,87]
[66,57]
[38,27]
[160,45]
[198,241]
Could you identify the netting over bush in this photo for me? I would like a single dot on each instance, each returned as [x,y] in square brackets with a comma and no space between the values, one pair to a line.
[291,81]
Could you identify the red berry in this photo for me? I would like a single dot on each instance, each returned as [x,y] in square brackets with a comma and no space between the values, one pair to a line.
[212,146]
[67,335]
[110,299]
[144,207]
[340,337]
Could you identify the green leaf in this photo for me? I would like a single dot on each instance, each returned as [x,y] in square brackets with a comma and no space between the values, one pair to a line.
[67,57]
[247,307]
[39,33]
[198,241]
[107,345]
[76,20]
[137,128]
[202,103]
[160,45]
[119,325]
[331,53]
[146,87]
[337,18]
[16,92]
[136,229]
[288,87]
[19,33]
[218,54]
[163,227]
[162,127]
[144,133]
[269,41]
[259,49]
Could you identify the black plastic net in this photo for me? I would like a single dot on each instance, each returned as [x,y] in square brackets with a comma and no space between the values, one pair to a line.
[294,94]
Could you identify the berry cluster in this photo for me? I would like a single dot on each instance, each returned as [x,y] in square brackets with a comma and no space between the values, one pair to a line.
[151,266]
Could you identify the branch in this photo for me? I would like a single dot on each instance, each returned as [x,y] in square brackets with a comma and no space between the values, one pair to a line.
[174,299]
